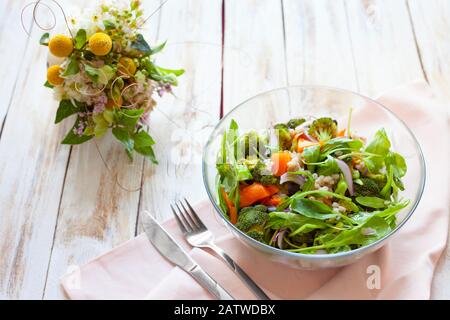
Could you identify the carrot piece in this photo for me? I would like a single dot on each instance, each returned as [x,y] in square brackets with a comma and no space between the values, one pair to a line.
[272,201]
[279,163]
[232,211]
[327,201]
[250,194]
[341,133]
[272,189]
[302,144]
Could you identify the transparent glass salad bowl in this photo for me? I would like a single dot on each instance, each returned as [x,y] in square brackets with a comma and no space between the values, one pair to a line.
[279,105]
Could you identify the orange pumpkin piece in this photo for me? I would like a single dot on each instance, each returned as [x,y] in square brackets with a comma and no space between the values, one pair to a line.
[255,192]
[280,162]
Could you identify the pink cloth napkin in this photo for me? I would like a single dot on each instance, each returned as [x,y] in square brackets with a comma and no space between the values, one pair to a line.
[135,270]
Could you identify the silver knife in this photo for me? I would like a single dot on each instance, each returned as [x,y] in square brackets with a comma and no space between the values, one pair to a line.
[168,248]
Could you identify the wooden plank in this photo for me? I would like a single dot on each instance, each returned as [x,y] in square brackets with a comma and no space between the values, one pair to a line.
[96,213]
[181,124]
[254,53]
[13,41]
[32,166]
[383,45]
[318,48]
[431,25]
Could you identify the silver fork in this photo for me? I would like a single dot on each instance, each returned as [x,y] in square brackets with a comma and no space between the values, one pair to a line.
[197,235]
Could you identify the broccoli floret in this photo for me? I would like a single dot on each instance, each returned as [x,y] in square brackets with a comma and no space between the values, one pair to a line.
[253,144]
[284,136]
[252,221]
[224,169]
[256,233]
[323,129]
[294,123]
[261,174]
[369,188]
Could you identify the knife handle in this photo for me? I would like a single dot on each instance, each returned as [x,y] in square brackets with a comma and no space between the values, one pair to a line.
[210,284]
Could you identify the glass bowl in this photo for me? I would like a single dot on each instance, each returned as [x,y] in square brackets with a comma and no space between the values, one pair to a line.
[279,105]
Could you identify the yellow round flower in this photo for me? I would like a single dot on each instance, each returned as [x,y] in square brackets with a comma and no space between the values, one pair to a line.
[127,66]
[100,44]
[53,75]
[60,46]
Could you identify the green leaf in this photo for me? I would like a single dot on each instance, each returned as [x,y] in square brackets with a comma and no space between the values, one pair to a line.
[109,116]
[296,223]
[124,137]
[44,39]
[101,125]
[80,39]
[161,74]
[109,25]
[176,72]
[48,85]
[72,138]
[341,143]
[129,117]
[387,213]
[397,162]
[328,168]
[100,75]
[141,45]
[72,68]
[234,125]
[378,227]
[65,109]
[311,155]
[371,202]
[313,209]
[158,48]
[143,143]
[379,146]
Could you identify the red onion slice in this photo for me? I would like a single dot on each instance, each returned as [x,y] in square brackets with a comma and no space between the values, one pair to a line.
[309,137]
[292,177]
[347,174]
[280,238]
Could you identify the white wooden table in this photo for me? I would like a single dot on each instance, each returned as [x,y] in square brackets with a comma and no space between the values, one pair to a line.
[59,205]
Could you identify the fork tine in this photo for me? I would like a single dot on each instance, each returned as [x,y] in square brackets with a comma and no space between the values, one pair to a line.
[195,215]
[180,224]
[186,213]
[189,224]
[186,224]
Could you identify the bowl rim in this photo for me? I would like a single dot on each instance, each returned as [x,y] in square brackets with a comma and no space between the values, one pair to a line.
[304,255]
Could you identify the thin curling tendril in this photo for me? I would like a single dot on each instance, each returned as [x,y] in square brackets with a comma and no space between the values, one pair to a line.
[35,5]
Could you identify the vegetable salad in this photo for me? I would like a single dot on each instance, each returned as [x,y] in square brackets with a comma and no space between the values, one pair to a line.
[309,185]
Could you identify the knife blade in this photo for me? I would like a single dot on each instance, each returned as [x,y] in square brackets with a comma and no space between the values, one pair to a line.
[173,252]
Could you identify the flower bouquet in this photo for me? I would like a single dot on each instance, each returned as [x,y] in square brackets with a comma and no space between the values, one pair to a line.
[107,78]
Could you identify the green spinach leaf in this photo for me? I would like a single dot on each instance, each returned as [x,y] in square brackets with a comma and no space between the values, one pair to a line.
[313,209]
[371,202]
